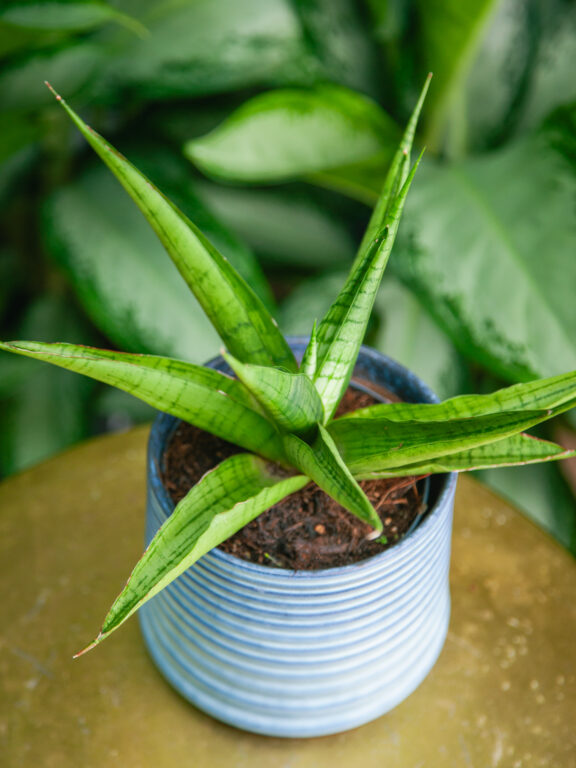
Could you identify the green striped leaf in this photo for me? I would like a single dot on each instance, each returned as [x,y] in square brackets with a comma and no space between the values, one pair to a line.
[204,397]
[341,332]
[556,394]
[322,462]
[233,308]
[349,315]
[512,451]
[310,357]
[395,177]
[289,398]
[376,444]
[223,501]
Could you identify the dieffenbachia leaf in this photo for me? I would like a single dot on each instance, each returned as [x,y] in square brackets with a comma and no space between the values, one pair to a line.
[341,332]
[395,178]
[556,394]
[516,450]
[290,399]
[233,308]
[322,462]
[223,501]
[65,15]
[382,444]
[204,397]
[285,134]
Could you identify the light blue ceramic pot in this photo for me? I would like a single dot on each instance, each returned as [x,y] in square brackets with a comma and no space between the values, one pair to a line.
[309,653]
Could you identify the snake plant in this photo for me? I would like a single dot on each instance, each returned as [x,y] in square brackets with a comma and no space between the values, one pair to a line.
[281,411]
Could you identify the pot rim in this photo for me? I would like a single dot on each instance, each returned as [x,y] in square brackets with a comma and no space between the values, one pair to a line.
[411,540]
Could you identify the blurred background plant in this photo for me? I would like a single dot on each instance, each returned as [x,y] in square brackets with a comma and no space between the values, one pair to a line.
[271,123]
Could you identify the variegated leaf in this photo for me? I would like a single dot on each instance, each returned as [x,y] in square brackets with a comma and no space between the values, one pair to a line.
[555,394]
[222,502]
[395,178]
[290,399]
[516,450]
[341,332]
[204,397]
[382,444]
[322,462]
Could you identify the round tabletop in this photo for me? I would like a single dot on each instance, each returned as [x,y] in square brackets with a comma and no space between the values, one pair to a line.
[503,692]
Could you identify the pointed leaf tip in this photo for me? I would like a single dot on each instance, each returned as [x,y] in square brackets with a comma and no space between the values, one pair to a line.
[92,645]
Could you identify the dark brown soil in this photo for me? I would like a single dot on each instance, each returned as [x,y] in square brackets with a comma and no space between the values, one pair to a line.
[308,530]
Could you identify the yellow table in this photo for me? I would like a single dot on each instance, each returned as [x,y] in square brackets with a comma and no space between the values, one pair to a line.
[502,694]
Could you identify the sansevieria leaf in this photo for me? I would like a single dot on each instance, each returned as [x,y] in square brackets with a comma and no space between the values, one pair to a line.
[518,449]
[395,178]
[383,444]
[290,399]
[556,394]
[233,308]
[322,462]
[204,397]
[341,332]
[223,501]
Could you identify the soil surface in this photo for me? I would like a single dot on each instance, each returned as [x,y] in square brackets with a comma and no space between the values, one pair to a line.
[307,530]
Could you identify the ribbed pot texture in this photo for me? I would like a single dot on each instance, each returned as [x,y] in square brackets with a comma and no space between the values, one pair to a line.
[309,653]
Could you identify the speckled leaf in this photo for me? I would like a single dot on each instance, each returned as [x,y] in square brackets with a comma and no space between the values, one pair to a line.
[342,330]
[204,397]
[322,462]
[374,444]
[395,178]
[214,46]
[290,399]
[223,501]
[236,312]
[556,395]
[489,246]
[516,450]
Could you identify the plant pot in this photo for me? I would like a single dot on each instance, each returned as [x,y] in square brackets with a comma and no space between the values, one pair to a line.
[309,653]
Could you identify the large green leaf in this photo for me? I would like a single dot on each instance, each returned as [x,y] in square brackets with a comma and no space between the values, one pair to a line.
[285,134]
[290,399]
[407,333]
[449,34]
[555,395]
[74,66]
[61,15]
[374,444]
[339,38]
[204,397]
[342,330]
[488,244]
[282,226]
[198,47]
[501,67]
[322,462]
[516,450]
[222,502]
[236,312]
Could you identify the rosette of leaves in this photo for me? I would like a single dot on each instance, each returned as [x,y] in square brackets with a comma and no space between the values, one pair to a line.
[281,411]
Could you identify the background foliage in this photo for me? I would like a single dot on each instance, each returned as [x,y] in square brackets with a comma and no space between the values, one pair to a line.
[271,124]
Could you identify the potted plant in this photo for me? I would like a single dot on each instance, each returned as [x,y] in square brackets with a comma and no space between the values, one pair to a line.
[267,648]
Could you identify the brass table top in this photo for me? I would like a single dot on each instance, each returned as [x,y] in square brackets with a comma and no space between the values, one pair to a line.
[503,693]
